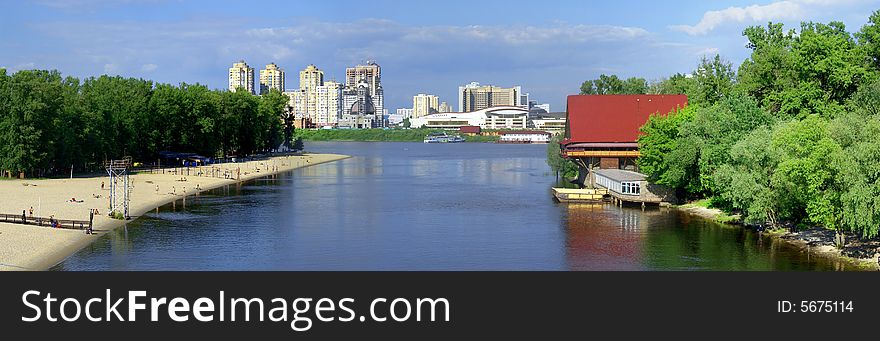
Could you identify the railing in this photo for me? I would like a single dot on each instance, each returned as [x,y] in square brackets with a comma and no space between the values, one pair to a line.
[41,221]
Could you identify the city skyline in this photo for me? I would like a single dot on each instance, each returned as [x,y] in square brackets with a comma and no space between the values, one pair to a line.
[548,50]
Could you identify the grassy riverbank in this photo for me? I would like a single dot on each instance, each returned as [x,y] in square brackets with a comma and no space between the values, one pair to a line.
[378,135]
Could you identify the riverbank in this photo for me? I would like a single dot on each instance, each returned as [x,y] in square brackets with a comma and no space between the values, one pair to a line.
[378,135]
[28,247]
[815,240]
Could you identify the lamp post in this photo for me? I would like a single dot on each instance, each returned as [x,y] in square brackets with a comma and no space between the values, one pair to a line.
[288,125]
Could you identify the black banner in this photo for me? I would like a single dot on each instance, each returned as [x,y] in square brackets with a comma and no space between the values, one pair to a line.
[463,305]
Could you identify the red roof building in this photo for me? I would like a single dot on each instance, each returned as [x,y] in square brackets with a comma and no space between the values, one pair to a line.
[469,130]
[602,130]
[614,118]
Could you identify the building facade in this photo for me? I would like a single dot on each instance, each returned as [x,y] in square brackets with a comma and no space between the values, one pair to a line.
[310,79]
[473,97]
[241,76]
[503,117]
[444,107]
[405,112]
[370,74]
[328,98]
[424,105]
[525,136]
[272,77]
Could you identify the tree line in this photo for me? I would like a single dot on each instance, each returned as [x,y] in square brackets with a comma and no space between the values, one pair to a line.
[50,123]
[791,137]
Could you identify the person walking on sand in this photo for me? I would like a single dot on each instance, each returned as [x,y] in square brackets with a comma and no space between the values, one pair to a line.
[102,185]
[157,189]
[31,211]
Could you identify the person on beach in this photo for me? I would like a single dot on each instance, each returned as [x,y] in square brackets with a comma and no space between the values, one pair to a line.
[102,185]
[31,211]
[157,189]
[23,217]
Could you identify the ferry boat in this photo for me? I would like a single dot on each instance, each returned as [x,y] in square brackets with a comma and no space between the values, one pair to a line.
[443,138]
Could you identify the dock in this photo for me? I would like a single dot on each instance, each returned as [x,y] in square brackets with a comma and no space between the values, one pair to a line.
[580,195]
[618,186]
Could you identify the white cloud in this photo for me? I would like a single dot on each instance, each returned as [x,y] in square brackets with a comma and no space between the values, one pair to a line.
[22,66]
[709,51]
[754,13]
[778,10]
[110,68]
[434,59]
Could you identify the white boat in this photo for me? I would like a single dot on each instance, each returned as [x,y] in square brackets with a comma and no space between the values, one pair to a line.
[442,138]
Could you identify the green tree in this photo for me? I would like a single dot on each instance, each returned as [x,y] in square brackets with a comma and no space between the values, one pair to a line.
[35,98]
[713,80]
[869,39]
[271,108]
[676,84]
[610,85]
[807,155]
[746,181]
[558,164]
[703,143]
[813,71]
[659,137]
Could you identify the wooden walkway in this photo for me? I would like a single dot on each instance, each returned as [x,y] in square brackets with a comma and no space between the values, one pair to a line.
[42,221]
[579,195]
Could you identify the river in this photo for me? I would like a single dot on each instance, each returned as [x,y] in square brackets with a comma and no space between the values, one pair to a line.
[414,206]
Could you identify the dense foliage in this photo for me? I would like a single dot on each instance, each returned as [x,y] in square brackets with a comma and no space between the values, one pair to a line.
[49,124]
[559,165]
[792,138]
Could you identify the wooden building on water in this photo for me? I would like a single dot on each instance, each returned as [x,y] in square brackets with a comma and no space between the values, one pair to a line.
[601,138]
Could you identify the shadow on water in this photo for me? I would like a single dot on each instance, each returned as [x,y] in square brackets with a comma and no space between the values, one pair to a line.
[607,237]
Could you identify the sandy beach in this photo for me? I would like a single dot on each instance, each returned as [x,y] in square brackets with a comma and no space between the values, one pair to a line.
[29,247]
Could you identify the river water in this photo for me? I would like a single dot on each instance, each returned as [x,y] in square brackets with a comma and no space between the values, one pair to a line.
[414,206]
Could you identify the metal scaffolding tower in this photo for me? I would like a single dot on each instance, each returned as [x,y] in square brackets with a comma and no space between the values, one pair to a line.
[120,194]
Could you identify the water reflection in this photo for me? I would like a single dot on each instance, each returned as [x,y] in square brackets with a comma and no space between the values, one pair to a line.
[412,206]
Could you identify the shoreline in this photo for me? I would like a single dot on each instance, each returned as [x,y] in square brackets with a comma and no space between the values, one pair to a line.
[816,241]
[29,247]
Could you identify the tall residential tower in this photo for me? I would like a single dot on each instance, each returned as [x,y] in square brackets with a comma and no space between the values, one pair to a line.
[272,77]
[241,76]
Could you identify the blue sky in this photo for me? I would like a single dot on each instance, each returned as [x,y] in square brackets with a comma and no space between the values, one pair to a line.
[547,47]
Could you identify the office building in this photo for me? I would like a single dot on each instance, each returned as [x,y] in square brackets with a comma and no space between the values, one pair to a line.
[473,97]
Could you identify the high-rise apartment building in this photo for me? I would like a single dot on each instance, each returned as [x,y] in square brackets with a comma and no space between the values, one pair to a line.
[241,76]
[310,79]
[424,105]
[371,75]
[444,107]
[272,77]
[405,112]
[473,97]
[328,101]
